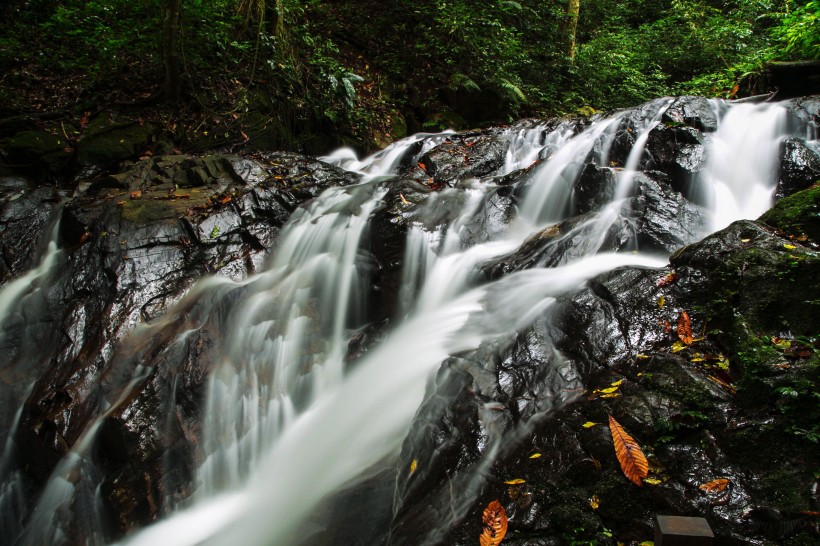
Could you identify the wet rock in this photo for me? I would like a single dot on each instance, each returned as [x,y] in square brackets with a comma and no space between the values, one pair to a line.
[696,112]
[594,188]
[799,167]
[691,408]
[463,155]
[133,245]
[666,220]
[25,215]
[678,151]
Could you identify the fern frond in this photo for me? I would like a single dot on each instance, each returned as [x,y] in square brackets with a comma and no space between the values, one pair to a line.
[514,91]
[459,80]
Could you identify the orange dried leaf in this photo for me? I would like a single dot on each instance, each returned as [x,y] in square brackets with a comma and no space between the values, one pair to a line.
[667,280]
[715,485]
[685,328]
[633,461]
[495,524]
[136,194]
[423,167]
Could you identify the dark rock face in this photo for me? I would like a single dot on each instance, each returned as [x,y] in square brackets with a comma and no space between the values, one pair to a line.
[690,407]
[695,112]
[799,167]
[25,214]
[133,244]
[678,151]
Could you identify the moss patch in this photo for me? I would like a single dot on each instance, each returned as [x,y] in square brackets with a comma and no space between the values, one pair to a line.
[797,215]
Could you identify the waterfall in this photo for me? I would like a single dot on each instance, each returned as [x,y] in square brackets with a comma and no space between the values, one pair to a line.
[288,419]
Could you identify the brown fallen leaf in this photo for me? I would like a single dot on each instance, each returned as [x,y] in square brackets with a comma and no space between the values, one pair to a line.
[715,485]
[667,280]
[136,194]
[685,328]
[495,524]
[633,461]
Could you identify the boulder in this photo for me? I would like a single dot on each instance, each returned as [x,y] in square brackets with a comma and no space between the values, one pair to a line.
[678,151]
[696,112]
[799,166]
[105,143]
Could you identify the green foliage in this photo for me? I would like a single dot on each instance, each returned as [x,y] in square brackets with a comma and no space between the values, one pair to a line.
[321,67]
[799,30]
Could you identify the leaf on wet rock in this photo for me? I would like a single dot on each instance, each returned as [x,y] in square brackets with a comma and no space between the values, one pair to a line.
[413,466]
[494,522]
[535,456]
[678,346]
[594,502]
[668,279]
[782,344]
[515,481]
[723,384]
[633,462]
[652,481]
[589,424]
[715,485]
[684,328]
[661,302]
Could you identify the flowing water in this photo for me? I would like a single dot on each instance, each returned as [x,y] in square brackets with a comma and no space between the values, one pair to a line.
[288,421]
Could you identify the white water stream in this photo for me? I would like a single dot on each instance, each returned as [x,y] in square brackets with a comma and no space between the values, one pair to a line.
[287,422]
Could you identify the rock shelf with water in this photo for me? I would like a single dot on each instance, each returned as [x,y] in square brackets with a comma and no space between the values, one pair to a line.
[277,349]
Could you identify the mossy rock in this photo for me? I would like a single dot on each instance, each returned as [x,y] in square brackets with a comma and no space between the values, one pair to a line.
[105,144]
[770,281]
[797,215]
[37,151]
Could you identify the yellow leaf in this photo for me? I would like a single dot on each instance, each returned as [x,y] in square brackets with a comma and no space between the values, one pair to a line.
[661,302]
[494,522]
[633,462]
[535,455]
[595,502]
[608,390]
[616,383]
[641,356]
[745,240]
[652,481]
[715,486]
[697,357]
[589,424]
[789,247]
[611,395]
[678,346]
[515,481]
[782,344]
[413,466]
[647,543]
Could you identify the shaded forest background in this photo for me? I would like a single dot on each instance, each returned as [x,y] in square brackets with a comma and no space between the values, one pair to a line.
[314,74]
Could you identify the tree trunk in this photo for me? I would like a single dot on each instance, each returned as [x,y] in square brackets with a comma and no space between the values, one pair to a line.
[571,26]
[170,50]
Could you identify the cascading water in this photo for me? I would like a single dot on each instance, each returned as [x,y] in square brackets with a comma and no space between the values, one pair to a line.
[288,421]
